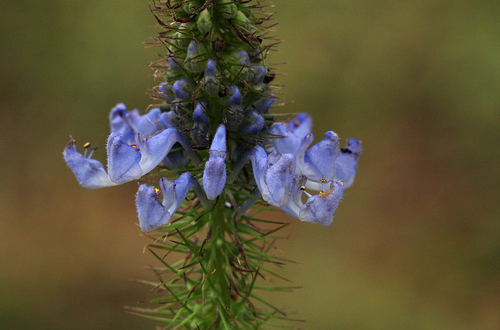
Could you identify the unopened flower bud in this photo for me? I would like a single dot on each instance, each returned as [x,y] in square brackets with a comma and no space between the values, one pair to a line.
[181,39]
[193,63]
[199,130]
[258,79]
[241,20]
[191,6]
[204,22]
[183,89]
[255,123]
[210,83]
[227,8]
[263,105]
[234,114]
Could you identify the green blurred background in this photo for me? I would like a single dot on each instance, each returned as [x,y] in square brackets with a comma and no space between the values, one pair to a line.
[416,241]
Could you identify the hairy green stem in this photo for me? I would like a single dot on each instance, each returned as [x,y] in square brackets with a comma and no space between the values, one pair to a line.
[219,224]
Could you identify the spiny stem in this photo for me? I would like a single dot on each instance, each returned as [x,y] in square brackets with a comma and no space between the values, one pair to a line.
[219,224]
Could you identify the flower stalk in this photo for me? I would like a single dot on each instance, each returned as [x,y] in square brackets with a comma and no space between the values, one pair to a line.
[210,158]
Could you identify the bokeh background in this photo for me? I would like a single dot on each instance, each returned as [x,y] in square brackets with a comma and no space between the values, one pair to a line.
[416,241]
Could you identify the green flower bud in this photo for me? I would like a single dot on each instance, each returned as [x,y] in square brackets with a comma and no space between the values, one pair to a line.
[227,8]
[241,20]
[204,22]
[245,9]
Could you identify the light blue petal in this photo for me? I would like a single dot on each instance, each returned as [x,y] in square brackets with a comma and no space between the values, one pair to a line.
[294,203]
[166,92]
[123,121]
[214,177]
[320,159]
[347,162]
[154,150]
[199,114]
[127,123]
[149,124]
[174,192]
[259,160]
[234,101]
[89,172]
[301,125]
[183,89]
[123,160]
[278,176]
[320,208]
[151,213]
[129,162]
[290,143]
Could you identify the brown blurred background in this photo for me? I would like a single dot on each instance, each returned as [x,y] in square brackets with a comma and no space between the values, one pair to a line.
[416,241]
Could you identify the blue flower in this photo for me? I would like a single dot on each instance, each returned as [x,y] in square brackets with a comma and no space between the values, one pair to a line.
[280,186]
[347,162]
[214,176]
[128,122]
[316,163]
[153,213]
[127,162]
[319,208]
[274,174]
[89,172]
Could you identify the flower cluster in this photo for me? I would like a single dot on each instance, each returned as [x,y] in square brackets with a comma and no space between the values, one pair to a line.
[284,165]
[208,151]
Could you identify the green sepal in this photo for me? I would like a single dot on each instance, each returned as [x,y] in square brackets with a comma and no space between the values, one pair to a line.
[204,22]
